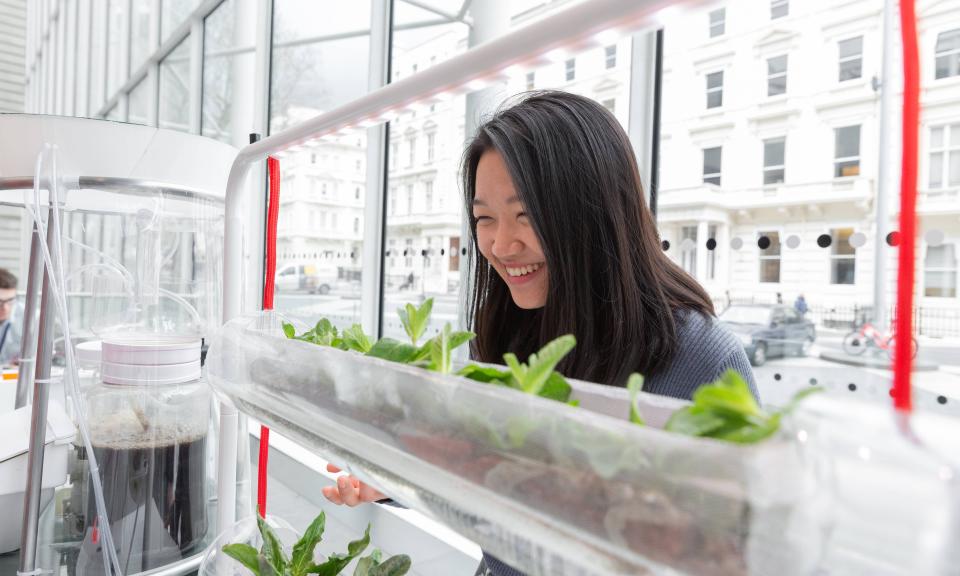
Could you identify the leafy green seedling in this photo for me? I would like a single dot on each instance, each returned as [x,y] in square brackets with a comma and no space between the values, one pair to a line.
[354,338]
[726,410]
[415,319]
[272,561]
[634,386]
[441,348]
[326,334]
[533,375]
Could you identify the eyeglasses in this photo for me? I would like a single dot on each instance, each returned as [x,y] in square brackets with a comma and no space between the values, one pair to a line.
[8,301]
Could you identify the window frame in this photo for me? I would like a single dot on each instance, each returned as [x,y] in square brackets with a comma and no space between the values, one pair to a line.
[768,168]
[841,162]
[841,59]
[764,256]
[708,177]
[837,234]
[927,269]
[714,23]
[778,5]
[945,150]
[715,89]
[610,57]
[953,54]
[570,69]
[771,76]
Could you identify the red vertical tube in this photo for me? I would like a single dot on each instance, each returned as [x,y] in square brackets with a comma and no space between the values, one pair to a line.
[903,354]
[270,270]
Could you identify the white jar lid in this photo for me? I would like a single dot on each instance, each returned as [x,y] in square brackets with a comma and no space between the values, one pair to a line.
[150,350]
[145,375]
[89,352]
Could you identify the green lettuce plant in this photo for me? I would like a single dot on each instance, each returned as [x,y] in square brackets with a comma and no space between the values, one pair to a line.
[271,560]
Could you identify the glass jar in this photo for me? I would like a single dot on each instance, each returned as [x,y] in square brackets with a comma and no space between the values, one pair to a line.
[148,420]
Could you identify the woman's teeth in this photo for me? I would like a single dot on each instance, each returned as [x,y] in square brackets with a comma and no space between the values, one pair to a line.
[523,270]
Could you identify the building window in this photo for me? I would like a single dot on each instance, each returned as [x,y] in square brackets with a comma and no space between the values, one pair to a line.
[851,58]
[715,89]
[774,168]
[688,250]
[392,252]
[323,188]
[944,156]
[531,80]
[843,257]
[610,104]
[571,69]
[712,254]
[393,201]
[610,56]
[356,193]
[718,22]
[940,271]
[431,141]
[777,75]
[358,165]
[779,8]
[409,198]
[711,165]
[428,194]
[846,155]
[394,154]
[770,258]
[356,225]
[408,253]
[948,54]
[412,147]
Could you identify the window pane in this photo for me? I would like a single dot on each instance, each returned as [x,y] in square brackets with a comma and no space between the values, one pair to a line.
[138,105]
[116,75]
[949,40]
[936,137]
[954,168]
[843,271]
[320,61]
[779,9]
[711,163]
[936,170]
[777,64]
[846,168]
[841,242]
[770,270]
[714,99]
[851,47]
[717,22]
[228,72]
[773,152]
[175,88]
[850,69]
[140,35]
[309,77]
[847,142]
[715,80]
[173,13]
[97,55]
[955,135]
[773,176]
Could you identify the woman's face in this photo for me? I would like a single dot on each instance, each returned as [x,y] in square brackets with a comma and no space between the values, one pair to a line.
[505,236]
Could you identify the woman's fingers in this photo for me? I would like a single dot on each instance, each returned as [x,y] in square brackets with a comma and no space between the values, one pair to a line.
[370,494]
[349,493]
[332,469]
[332,494]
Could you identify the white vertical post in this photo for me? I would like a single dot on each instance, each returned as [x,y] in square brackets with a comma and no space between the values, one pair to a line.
[373,212]
[701,250]
[640,129]
[888,171]
[196,74]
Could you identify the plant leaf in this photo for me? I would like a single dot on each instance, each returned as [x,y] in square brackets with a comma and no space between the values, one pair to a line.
[337,562]
[541,364]
[484,373]
[244,554]
[730,393]
[691,423]
[393,350]
[354,338]
[440,351]
[366,564]
[518,370]
[556,388]
[415,319]
[266,569]
[634,386]
[289,331]
[303,549]
[272,549]
[394,566]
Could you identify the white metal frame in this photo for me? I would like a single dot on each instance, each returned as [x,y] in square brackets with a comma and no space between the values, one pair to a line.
[582,26]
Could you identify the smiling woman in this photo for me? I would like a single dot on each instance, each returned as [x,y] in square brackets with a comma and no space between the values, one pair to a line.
[565,244]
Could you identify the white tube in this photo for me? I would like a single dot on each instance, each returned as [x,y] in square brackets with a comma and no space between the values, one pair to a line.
[57,287]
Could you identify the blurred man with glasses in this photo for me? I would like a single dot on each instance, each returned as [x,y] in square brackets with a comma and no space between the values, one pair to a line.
[10,328]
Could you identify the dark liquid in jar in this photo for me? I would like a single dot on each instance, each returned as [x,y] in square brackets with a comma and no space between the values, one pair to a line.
[156,501]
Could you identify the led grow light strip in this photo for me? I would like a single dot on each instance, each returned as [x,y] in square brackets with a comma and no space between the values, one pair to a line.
[571,31]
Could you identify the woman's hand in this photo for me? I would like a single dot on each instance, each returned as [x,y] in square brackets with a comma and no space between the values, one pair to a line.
[350,491]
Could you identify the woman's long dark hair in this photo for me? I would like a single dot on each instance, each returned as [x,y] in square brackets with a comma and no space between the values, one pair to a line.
[610,284]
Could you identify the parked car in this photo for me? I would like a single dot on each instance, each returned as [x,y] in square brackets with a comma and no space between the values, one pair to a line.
[769,330]
[304,278]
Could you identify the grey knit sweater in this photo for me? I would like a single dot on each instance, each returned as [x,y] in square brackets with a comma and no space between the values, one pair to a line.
[706,350]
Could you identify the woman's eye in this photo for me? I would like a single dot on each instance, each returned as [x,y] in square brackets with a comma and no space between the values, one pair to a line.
[522,217]
[482,220]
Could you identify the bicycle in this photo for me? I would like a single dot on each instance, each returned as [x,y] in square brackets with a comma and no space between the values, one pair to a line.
[867,336]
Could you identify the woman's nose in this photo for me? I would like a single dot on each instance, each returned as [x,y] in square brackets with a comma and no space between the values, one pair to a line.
[506,243]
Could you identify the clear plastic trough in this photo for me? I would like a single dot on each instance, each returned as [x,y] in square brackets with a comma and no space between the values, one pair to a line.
[557,490]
